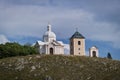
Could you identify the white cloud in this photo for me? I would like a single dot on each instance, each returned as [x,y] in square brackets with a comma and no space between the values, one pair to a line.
[66,49]
[31,20]
[3,39]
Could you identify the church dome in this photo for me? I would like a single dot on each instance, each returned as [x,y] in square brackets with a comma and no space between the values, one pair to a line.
[49,35]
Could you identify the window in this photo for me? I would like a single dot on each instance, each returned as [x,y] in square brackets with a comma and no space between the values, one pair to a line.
[78,48]
[79,43]
[79,52]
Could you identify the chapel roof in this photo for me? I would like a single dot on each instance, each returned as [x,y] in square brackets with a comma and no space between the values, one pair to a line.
[93,47]
[77,35]
[56,43]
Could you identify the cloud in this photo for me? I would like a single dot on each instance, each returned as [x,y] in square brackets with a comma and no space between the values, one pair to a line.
[30,18]
[3,39]
[66,49]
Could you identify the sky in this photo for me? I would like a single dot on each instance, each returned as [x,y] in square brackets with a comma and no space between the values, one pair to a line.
[25,21]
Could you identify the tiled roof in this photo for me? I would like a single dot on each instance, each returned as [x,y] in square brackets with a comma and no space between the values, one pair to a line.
[77,35]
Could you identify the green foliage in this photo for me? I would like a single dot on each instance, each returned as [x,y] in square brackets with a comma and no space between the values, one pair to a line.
[15,49]
[58,67]
[109,56]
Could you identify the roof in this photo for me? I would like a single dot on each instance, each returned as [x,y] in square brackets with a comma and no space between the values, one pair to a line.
[77,35]
[60,42]
[41,43]
[93,47]
[53,42]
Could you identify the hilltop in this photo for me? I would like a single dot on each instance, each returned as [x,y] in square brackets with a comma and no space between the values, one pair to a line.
[58,67]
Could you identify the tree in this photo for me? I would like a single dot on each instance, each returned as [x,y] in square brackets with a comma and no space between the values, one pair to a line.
[15,49]
[109,55]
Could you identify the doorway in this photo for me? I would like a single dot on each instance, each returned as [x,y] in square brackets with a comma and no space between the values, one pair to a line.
[51,51]
[94,54]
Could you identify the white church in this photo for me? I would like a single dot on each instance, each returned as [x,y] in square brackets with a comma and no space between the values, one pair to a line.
[50,45]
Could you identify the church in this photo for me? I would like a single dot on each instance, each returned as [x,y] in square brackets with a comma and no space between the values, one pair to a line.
[50,45]
[77,46]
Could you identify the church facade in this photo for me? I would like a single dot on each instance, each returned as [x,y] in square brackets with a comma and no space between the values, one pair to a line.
[50,45]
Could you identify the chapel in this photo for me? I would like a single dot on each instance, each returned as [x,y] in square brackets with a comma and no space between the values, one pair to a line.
[93,51]
[49,44]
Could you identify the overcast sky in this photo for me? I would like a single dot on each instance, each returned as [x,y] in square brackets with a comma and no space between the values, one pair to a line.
[97,20]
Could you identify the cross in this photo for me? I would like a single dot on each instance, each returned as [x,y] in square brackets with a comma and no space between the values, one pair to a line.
[76,29]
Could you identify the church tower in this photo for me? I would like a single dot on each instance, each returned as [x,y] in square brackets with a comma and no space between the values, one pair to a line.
[77,44]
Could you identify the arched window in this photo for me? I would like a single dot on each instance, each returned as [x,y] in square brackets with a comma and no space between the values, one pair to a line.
[79,43]
[94,54]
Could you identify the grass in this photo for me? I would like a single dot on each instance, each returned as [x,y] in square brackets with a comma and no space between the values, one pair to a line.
[58,67]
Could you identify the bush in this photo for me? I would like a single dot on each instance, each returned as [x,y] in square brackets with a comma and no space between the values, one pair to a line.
[15,49]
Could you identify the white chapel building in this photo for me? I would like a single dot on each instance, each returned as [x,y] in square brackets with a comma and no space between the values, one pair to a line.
[93,52]
[50,45]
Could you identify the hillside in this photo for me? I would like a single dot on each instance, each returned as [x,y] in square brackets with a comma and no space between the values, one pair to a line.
[58,67]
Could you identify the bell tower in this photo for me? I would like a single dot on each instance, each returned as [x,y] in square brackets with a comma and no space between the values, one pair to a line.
[77,44]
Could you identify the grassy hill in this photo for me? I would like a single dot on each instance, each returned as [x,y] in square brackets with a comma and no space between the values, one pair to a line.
[58,67]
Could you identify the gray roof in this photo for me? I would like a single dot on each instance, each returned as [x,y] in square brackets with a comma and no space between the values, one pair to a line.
[77,35]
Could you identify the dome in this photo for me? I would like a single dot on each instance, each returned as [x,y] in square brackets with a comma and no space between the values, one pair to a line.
[49,35]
